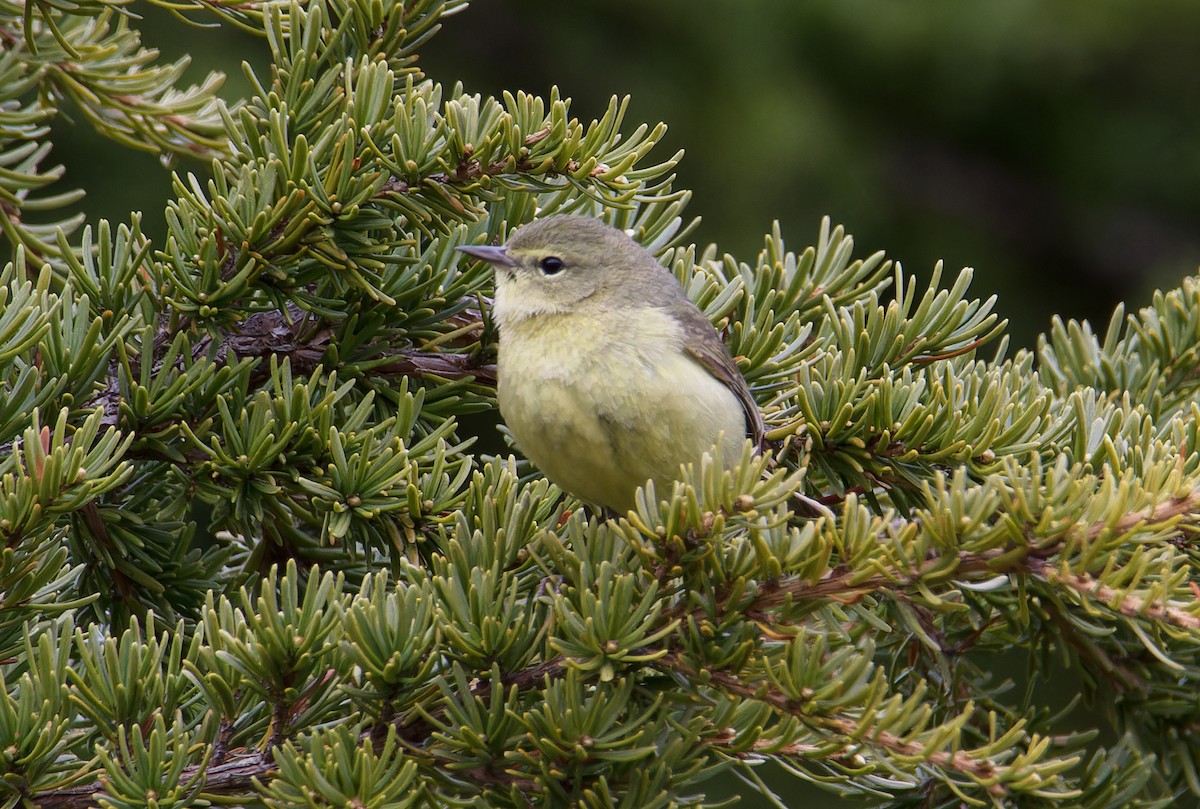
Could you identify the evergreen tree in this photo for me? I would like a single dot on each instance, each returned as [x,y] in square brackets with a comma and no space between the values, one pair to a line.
[259,547]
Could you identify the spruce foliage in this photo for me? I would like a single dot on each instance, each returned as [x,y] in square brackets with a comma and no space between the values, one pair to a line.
[260,548]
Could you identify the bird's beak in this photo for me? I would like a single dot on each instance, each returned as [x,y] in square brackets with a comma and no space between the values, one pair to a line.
[495,255]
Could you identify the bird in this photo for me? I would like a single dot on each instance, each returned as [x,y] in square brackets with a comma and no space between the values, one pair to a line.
[607,374]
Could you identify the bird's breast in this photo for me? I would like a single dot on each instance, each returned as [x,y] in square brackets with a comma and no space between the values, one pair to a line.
[602,402]
[561,347]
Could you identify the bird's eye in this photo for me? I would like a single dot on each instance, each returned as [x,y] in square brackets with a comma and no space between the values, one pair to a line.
[551,265]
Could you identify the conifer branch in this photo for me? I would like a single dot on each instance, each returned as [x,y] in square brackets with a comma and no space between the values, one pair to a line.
[852,729]
[845,586]
[1127,604]
[275,334]
[237,772]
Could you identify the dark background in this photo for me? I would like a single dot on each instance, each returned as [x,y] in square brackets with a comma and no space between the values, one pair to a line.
[1050,145]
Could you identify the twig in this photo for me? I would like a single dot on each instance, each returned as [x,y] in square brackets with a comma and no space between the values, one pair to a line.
[957,761]
[1127,604]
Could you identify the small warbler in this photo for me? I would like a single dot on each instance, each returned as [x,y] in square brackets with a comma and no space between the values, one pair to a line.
[608,376]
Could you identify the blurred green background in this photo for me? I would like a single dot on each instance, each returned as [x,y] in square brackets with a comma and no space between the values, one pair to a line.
[1050,145]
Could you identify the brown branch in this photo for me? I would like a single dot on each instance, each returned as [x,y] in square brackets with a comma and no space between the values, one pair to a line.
[447,366]
[236,775]
[957,761]
[1127,604]
[1177,506]
[945,355]
[270,334]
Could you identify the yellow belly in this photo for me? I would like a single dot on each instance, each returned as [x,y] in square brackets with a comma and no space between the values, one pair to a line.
[603,405]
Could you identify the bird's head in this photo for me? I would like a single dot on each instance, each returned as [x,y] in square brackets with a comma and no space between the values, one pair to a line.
[563,263]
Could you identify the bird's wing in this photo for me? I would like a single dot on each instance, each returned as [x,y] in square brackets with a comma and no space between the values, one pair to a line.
[702,344]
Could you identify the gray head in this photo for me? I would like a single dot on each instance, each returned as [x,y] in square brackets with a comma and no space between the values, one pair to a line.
[563,263]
